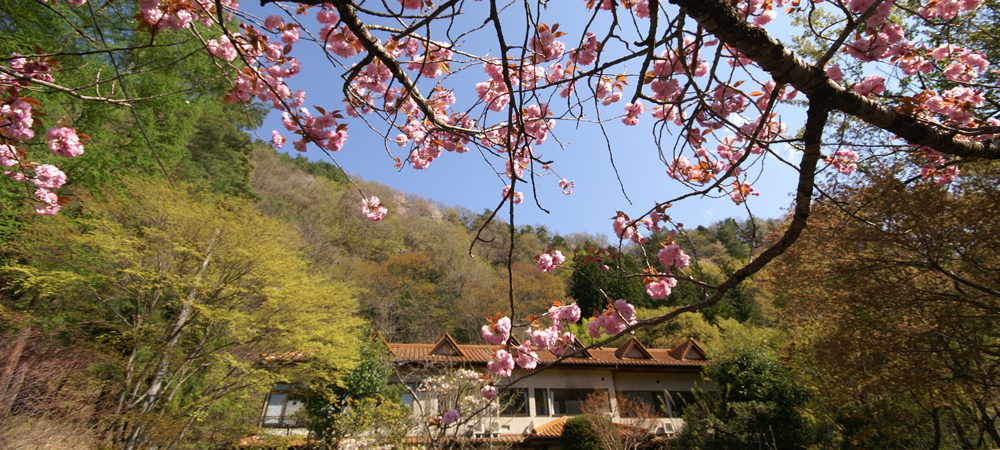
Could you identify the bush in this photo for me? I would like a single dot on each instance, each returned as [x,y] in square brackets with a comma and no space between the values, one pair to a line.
[578,434]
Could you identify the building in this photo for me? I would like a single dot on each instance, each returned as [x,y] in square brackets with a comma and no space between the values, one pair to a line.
[534,407]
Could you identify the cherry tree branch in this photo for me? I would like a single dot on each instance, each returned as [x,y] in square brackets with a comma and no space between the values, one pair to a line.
[724,21]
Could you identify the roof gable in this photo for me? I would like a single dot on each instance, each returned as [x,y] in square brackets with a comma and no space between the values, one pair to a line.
[633,349]
[689,350]
[377,337]
[446,346]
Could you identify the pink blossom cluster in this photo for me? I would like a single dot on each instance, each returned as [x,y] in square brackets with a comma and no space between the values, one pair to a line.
[322,130]
[588,54]
[660,287]
[845,161]
[494,92]
[783,94]
[937,167]
[772,129]
[555,338]
[616,318]
[626,229]
[741,192]
[63,141]
[175,15]
[941,176]
[948,9]
[517,198]
[955,104]
[884,40]
[450,417]
[432,63]
[567,186]
[502,365]
[545,45]
[965,65]
[870,86]
[498,332]
[526,358]
[606,91]
[728,100]
[372,208]
[16,121]
[673,256]
[489,392]
[652,222]
[549,260]
[671,62]
[632,113]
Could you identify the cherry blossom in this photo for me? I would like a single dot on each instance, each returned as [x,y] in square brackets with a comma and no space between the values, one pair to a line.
[567,186]
[845,161]
[504,364]
[450,417]
[870,86]
[489,392]
[741,192]
[565,315]
[50,202]
[549,260]
[373,209]
[49,177]
[497,333]
[526,358]
[673,256]
[660,288]
[517,198]
[615,319]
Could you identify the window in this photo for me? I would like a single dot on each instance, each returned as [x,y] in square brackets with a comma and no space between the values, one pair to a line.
[514,402]
[641,403]
[407,390]
[678,400]
[569,402]
[541,402]
[280,407]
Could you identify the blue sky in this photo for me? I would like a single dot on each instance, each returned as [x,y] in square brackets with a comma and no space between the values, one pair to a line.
[468,180]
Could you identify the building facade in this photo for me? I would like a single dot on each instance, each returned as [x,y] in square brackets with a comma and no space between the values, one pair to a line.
[636,385]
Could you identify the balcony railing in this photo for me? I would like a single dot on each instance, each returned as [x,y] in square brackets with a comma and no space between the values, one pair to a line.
[279,422]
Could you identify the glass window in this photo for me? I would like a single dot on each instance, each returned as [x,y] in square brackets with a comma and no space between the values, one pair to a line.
[643,404]
[514,402]
[569,402]
[280,408]
[407,390]
[541,402]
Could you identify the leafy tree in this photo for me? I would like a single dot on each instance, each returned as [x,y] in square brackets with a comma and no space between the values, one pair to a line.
[180,295]
[757,403]
[589,278]
[359,405]
[892,305]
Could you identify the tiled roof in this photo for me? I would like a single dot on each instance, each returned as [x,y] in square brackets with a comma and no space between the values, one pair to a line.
[552,428]
[679,357]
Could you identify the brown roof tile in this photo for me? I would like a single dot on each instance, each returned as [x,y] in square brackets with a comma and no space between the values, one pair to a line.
[482,354]
[552,428]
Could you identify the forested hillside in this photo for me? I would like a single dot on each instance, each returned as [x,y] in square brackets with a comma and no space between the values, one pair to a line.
[191,267]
